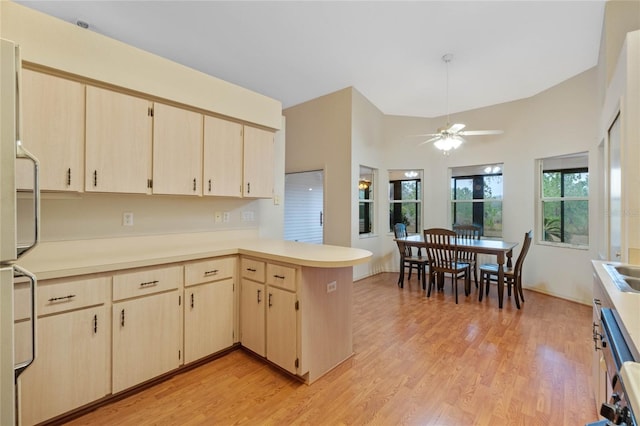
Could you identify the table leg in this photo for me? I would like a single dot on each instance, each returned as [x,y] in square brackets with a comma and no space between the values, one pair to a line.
[500,261]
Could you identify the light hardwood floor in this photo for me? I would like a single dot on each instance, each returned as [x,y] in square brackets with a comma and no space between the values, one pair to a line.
[418,361]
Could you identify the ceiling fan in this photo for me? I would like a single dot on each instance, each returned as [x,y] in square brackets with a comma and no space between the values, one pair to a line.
[450,136]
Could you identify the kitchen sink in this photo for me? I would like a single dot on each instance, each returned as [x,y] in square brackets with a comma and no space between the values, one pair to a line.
[628,271]
[626,277]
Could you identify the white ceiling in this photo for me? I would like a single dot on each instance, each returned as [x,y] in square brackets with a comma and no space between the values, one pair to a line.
[390,51]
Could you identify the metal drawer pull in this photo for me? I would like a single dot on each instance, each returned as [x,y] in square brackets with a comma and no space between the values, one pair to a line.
[209,185]
[270,304]
[95,324]
[69,177]
[122,318]
[149,283]
[191,300]
[251,270]
[259,293]
[281,277]
[65,298]
[194,184]
[214,272]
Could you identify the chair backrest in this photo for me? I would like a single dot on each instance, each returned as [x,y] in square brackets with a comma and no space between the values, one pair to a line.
[400,230]
[517,269]
[467,232]
[441,248]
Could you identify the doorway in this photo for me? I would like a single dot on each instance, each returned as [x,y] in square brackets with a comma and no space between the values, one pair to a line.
[304,206]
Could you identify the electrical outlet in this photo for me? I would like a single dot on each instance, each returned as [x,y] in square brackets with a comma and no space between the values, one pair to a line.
[225,217]
[332,286]
[218,217]
[247,216]
[127,219]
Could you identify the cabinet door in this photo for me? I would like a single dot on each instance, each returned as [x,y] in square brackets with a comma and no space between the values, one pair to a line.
[177,151]
[208,319]
[252,316]
[53,131]
[258,163]
[282,328]
[222,158]
[72,367]
[118,142]
[146,338]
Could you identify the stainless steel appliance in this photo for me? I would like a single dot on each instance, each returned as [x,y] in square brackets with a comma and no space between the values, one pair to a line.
[622,401]
[11,150]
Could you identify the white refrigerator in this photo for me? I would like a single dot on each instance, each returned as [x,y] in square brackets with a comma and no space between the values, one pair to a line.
[11,150]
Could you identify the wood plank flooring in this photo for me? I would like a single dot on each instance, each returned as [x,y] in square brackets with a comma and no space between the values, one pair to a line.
[418,361]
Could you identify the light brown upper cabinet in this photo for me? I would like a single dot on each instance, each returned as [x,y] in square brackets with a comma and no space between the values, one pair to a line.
[258,163]
[222,158]
[177,151]
[118,142]
[53,131]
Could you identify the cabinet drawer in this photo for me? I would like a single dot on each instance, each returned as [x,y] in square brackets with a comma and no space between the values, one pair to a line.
[209,270]
[281,276]
[252,269]
[58,296]
[146,281]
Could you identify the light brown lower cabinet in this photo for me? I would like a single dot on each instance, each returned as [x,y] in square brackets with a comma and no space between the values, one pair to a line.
[208,319]
[146,324]
[72,365]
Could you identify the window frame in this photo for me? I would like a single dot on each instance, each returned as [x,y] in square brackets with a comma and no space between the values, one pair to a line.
[478,204]
[417,201]
[367,174]
[569,169]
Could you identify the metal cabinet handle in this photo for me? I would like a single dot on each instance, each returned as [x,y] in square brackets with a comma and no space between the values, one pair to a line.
[191,300]
[95,178]
[122,318]
[251,270]
[65,298]
[270,304]
[194,184]
[280,277]
[149,283]
[209,185]
[259,298]
[213,272]
[69,176]
[248,187]
[95,324]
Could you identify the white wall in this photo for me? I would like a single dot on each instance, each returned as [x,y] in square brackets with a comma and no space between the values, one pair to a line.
[319,138]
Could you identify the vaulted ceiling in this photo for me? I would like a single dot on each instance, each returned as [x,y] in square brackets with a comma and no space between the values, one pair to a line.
[390,51]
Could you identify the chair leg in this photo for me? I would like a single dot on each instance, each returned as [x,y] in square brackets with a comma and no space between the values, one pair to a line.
[519,280]
[454,286]
[401,275]
[431,281]
[481,288]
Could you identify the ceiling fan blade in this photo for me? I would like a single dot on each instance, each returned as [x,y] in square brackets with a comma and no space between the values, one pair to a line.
[430,140]
[426,135]
[455,128]
[480,132]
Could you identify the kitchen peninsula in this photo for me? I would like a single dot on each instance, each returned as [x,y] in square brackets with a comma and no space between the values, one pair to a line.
[117,312]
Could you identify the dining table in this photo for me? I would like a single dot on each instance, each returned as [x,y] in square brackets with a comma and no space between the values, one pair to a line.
[503,251]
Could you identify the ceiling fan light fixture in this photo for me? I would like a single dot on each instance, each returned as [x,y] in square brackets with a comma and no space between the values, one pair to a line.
[448,142]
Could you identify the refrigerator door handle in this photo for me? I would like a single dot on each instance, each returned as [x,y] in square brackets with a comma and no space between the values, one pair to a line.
[22,153]
[20,367]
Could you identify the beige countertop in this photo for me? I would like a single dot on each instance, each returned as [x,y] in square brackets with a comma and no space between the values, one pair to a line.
[69,258]
[626,304]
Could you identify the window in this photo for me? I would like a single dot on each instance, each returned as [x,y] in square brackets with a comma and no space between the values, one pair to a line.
[405,199]
[366,199]
[564,199]
[476,198]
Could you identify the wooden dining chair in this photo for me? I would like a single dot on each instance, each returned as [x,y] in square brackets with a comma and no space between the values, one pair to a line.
[512,275]
[443,252]
[469,232]
[407,257]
